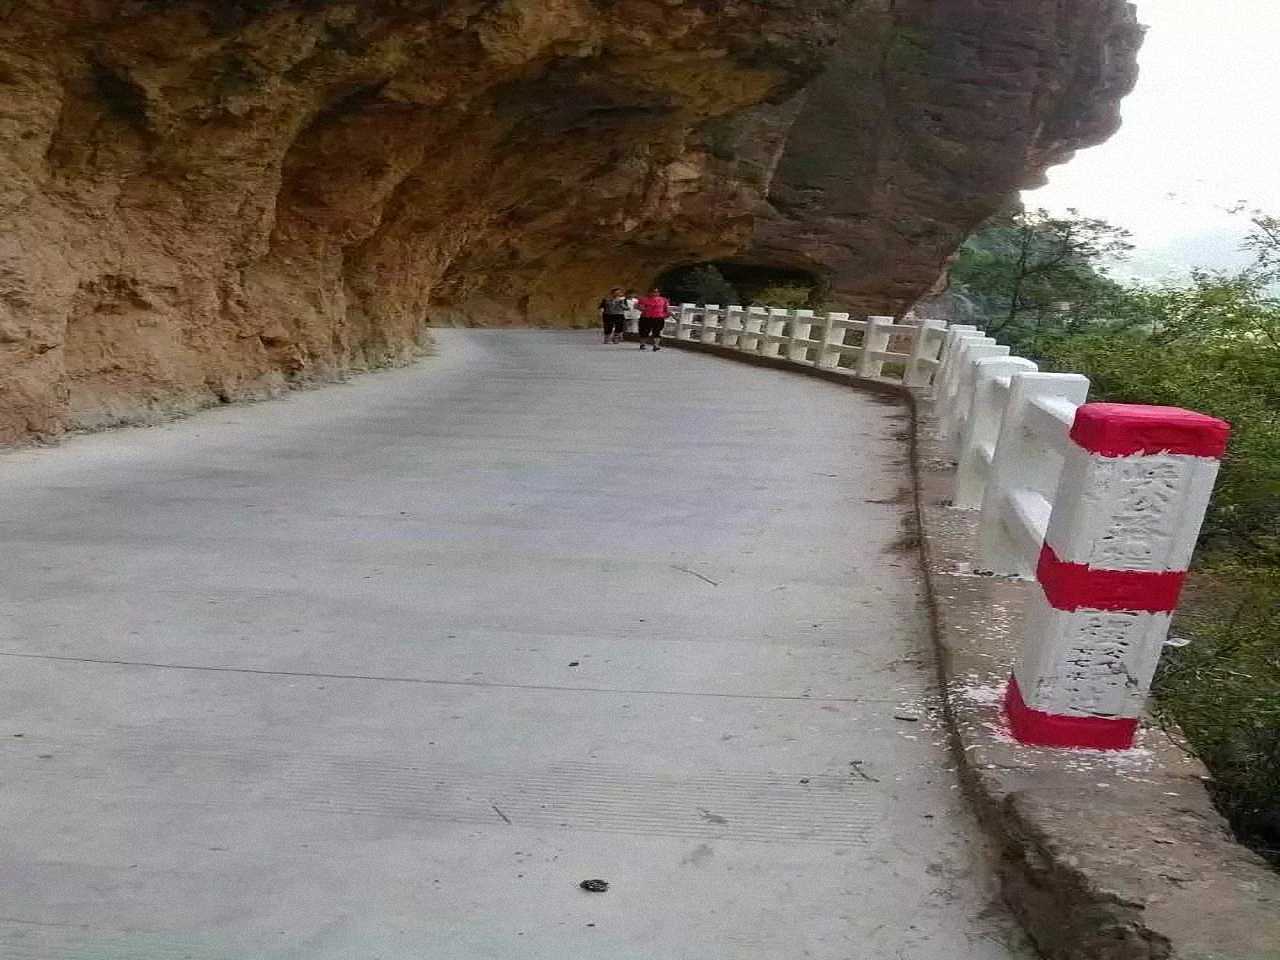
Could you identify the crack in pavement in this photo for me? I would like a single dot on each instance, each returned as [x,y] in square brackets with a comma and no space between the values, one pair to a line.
[429,681]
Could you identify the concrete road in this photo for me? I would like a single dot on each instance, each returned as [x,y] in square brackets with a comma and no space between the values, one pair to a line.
[382,671]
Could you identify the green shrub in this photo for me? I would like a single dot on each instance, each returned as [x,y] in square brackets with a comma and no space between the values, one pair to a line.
[783,295]
[1223,690]
[1214,348]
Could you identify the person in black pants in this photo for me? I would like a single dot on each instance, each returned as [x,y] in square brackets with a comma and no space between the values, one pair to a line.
[654,309]
[613,315]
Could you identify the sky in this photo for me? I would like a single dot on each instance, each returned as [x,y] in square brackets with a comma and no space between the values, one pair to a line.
[1201,132]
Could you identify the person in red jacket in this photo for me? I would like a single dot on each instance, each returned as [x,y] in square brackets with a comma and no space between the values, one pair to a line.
[654,308]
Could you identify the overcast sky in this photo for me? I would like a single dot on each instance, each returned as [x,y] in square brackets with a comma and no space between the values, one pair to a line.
[1201,131]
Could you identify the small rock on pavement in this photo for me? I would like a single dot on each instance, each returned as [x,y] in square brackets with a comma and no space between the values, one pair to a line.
[594,886]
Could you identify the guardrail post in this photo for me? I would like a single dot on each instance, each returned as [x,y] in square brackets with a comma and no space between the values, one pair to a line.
[960,398]
[773,327]
[982,429]
[710,322]
[752,325]
[684,325]
[1024,460]
[875,339]
[732,329]
[833,331]
[957,358]
[1134,488]
[926,348]
[799,327]
[956,334]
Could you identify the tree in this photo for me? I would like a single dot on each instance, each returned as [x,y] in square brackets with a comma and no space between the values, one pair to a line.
[1264,241]
[1028,269]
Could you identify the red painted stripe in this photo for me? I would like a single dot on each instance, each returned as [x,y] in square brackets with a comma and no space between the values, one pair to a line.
[1078,586]
[1040,729]
[1123,429]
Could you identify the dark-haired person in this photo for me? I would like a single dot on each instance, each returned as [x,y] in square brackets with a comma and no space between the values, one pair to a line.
[613,315]
[654,308]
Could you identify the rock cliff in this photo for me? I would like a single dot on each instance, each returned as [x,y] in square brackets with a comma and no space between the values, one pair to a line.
[211,199]
[927,118]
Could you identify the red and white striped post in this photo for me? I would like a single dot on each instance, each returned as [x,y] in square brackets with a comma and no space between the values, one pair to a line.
[1134,487]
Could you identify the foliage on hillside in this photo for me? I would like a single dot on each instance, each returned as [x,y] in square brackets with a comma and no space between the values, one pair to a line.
[728,283]
[1029,272]
[1211,344]
[701,283]
[1223,690]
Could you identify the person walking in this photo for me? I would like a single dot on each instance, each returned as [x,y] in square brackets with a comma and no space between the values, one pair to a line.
[633,312]
[654,309]
[613,315]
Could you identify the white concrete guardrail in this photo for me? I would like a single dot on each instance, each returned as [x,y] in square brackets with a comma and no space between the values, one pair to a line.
[1101,503]
[818,340]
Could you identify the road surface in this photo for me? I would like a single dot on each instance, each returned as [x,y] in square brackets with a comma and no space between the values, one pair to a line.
[385,670]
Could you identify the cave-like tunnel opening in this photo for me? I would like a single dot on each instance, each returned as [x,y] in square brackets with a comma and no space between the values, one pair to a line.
[727,282]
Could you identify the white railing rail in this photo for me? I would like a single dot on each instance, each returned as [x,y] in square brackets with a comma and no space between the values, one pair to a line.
[1008,427]
[1101,503]
[1017,489]
[874,347]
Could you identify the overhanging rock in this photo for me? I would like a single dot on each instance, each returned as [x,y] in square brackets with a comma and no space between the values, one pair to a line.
[213,199]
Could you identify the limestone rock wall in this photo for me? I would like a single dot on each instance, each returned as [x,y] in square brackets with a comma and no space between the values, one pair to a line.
[211,199]
[928,117]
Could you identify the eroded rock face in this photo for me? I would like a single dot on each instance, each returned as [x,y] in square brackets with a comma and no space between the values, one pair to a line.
[211,199]
[929,116]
